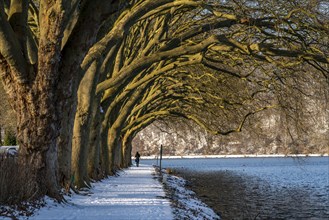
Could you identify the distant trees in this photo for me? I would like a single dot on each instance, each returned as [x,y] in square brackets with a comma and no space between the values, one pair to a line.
[86,76]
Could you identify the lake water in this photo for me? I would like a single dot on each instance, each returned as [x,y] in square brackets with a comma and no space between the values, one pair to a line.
[274,188]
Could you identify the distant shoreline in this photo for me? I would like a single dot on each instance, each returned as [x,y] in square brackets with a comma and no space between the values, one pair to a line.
[154,157]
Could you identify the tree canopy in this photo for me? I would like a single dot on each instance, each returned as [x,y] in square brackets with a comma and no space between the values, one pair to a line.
[84,77]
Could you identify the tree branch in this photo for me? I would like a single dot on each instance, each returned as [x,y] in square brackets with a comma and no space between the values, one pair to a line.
[11,50]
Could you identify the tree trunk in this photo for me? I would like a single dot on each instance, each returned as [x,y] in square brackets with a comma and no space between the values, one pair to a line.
[126,151]
[94,169]
[112,141]
[105,155]
[32,90]
[37,130]
[64,143]
[81,130]
[117,158]
[75,48]
[0,135]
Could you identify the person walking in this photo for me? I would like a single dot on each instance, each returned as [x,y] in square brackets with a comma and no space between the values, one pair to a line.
[137,156]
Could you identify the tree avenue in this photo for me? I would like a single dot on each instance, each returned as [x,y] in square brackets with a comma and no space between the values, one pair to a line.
[84,77]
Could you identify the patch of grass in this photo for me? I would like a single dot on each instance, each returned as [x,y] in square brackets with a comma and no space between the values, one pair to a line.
[16,183]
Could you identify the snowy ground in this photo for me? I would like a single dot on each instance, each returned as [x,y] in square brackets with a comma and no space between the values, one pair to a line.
[135,194]
[184,202]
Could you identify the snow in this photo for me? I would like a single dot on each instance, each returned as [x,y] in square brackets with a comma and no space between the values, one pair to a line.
[134,194]
[186,204]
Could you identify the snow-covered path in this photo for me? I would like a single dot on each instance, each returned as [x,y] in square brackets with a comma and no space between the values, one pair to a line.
[135,194]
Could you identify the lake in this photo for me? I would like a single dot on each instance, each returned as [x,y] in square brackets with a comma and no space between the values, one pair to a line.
[271,188]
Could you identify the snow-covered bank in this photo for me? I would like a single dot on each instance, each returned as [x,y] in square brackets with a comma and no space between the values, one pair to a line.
[154,157]
[184,202]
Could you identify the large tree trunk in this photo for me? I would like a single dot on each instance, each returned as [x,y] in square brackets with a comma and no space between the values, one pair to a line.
[105,155]
[118,154]
[83,119]
[126,151]
[94,169]
[0,135]
[37,131]
[64,143]
[112,144]
[32,90]
[76,45]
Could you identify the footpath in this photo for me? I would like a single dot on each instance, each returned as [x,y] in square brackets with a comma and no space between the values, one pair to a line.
[134,194]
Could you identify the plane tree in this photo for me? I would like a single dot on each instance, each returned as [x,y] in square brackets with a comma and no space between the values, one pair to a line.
[51,50]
